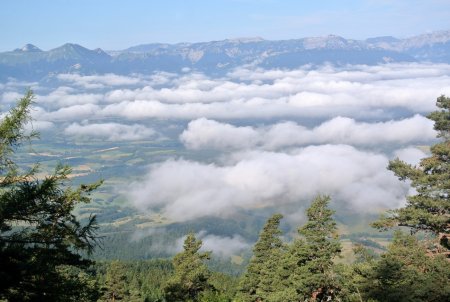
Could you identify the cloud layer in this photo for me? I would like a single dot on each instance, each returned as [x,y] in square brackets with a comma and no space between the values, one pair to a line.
[220,246]
[209,134]
[186,190]
[279,136]
[359,92]
[111,131]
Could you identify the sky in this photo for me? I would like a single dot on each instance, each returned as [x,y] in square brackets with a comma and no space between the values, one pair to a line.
[114,24]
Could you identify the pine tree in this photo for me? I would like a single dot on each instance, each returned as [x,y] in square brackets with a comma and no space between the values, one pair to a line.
[258,281]
[312,256]
[116,283]
[428,209]
[191,275]
[39,234]
[406,273]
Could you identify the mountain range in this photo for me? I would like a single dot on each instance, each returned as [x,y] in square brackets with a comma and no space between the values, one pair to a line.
[218,57]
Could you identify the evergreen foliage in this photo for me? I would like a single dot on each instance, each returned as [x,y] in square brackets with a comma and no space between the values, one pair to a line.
[429,208]
[191,276]
[40,238]
[117,287]
[312,255]
[258,281]
[137,280]
[406,273]
[303,270]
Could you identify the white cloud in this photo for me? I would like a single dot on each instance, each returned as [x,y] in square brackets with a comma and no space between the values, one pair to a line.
[223,246]
[64,96]
[204,133]
[185,190]
[220,246]
[39,126]
[411,155]
[358,92]
[111,131]
[209,134]
[70,113]
[11,97]
[99,81]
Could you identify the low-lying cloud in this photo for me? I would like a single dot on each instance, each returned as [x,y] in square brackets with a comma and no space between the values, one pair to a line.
[410,155]
[224,246]
[220,246]
[358,92]
[185,190]
[209,134]
[111,131]
[269,162]
[100,81]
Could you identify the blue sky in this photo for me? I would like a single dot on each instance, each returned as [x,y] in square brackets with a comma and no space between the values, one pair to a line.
[113,24]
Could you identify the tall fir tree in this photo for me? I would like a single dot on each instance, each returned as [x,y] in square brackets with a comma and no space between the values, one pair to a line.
[191,274]
[428,209]
[312,255]
[405,273]
[116,286]
[259,280]
[40,237]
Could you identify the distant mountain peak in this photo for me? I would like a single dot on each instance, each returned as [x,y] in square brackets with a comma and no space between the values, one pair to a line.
[382,39]
[72,46]
[330,42]
[100,51]
[442,36]
[29,48]
[76,48]
[245,40]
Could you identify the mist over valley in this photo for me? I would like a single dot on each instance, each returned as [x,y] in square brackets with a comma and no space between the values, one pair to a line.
[180,146]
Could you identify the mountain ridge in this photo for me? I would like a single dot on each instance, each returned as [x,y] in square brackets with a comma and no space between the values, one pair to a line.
[217,57]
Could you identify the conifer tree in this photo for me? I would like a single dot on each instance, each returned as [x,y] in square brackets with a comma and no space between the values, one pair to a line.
[116,283]
[191,274]
[40,237]
[429,208]
[312,255]
[406,273]
[258,281]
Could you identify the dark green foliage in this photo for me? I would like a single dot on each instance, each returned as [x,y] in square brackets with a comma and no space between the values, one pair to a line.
[222,288]
[258,281]
[191,277]
[368,243]
[116,242]
[303,270]
[146,280]
[429,208]
[441,117]
[12,135]
[311,256]
[405,273]
[116,287]
[138,280]
[225,286]
[40,238]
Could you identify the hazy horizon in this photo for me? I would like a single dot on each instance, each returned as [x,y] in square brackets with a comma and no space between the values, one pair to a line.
[216,40]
